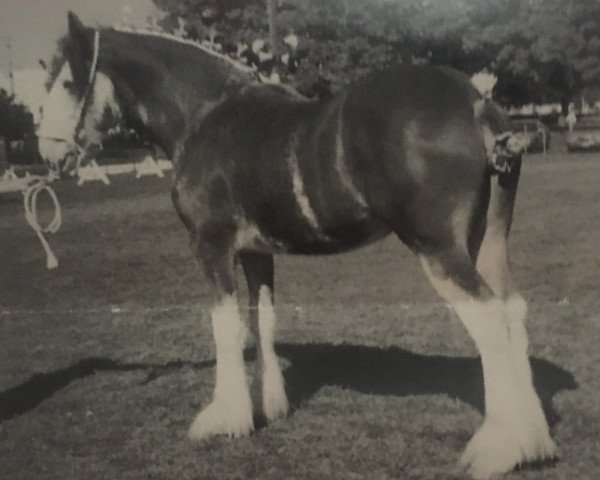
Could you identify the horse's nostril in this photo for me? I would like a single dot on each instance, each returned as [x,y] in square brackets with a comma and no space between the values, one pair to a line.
[68,164]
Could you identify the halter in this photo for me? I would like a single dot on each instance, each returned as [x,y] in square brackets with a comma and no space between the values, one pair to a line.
[90,86]
[84,104]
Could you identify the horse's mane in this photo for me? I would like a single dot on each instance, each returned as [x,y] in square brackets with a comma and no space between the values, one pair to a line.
[186,41]
[64,45]
[251,72]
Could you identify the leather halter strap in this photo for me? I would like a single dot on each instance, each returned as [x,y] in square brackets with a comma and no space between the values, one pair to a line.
[90,86]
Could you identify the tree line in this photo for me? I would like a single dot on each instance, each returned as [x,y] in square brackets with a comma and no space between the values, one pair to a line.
[16,126]
[541,50]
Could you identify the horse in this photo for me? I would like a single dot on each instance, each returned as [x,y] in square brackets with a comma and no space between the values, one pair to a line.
[259,170]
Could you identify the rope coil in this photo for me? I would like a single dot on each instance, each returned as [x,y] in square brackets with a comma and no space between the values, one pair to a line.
[30,198]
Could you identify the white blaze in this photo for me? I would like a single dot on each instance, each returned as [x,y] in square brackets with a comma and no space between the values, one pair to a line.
[60,114]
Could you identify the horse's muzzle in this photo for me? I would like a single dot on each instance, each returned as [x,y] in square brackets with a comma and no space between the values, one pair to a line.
[67,167]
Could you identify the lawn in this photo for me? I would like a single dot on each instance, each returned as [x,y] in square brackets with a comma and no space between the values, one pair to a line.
[105,361]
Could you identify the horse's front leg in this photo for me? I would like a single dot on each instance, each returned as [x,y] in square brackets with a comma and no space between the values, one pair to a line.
[230,411]
[268,387]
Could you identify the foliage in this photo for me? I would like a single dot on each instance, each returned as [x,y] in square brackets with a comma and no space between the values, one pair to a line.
[17,128]
[16,121]
[541,50]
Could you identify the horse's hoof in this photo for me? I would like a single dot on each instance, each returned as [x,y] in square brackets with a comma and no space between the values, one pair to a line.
[274,400]
[234,420]
[497,448]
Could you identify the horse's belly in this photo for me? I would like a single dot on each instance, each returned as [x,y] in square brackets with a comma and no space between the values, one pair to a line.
[305,239]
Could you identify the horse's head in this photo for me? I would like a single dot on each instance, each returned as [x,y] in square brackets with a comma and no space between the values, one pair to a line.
[156,83]
[80,106]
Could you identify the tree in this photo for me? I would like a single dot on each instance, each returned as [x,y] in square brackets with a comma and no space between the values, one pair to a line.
[15,119]
[16,122]
[545,50]
[541,50]
[234,19]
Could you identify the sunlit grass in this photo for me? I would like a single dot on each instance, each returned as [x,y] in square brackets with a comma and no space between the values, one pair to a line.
[400,402]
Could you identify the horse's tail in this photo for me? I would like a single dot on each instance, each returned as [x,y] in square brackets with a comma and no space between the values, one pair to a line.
[504,152]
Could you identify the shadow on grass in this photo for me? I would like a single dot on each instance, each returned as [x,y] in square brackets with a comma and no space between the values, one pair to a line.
[29,394]
[372,370]
[398,372]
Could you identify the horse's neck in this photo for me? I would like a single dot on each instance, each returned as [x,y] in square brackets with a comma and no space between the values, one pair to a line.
[169,108]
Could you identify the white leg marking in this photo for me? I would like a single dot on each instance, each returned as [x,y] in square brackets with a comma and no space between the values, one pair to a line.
[492,263]
[514,430]
[516,311]
[537,443]
[231,409]
[485,323]
[274,400]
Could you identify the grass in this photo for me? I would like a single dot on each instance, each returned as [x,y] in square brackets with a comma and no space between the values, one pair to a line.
[105,361]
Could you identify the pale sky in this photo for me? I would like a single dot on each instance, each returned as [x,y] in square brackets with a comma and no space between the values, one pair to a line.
[35,25]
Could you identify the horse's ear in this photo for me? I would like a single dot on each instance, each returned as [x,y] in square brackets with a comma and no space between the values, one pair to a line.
[81,50]
[75,25]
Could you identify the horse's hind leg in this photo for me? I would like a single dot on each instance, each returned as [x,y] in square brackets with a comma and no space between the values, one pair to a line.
[268,384]
[492,254]
[493,265]
[514,430]
[230,412]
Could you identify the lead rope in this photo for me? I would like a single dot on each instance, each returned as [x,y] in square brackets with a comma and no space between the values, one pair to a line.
[30,194]
[30,197]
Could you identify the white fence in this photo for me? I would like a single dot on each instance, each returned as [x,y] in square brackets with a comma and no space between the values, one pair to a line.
[147,167]
[32,185]
[92,172]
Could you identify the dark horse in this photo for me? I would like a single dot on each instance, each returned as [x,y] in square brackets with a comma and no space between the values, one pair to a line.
[415,151]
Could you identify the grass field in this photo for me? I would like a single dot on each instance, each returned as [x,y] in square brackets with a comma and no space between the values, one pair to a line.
[105,361]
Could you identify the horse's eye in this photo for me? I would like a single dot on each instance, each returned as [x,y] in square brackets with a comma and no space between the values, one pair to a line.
[68,84]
